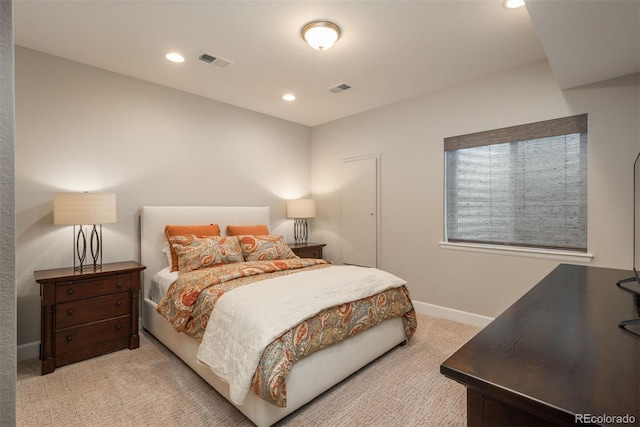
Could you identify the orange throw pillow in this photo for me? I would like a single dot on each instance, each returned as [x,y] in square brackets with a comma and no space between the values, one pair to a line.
[252,230]
[208,230]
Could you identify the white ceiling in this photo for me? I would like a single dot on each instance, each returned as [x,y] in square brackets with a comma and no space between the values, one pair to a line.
[588,41]
[389,50]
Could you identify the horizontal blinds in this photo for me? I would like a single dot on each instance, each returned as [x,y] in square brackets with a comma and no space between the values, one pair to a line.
[531,192]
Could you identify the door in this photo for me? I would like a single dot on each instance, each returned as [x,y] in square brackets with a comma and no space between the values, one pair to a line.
[360,210]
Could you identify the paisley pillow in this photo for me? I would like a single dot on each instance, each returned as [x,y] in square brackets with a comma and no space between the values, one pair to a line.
[200,252]
[178,230]
[265,248]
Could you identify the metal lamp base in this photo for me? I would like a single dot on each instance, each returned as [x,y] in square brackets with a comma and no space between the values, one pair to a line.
[300,230]
[80,248]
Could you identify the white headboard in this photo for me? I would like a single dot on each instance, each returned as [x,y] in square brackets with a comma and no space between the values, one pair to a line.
[154,218]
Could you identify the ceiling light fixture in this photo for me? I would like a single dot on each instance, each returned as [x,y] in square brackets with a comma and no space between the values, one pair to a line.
[513,4]
[289,97]
[174,57]
[320,35]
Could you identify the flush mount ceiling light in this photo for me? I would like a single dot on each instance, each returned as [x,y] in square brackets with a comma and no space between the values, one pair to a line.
[320,35]
[513,4]
[289,97]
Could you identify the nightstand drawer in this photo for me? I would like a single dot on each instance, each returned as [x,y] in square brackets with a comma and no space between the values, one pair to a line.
[79,289]
[307,250]
[70,339]
[310,253]
[91,310]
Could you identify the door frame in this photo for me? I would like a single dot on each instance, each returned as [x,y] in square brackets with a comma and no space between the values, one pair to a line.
[377,157]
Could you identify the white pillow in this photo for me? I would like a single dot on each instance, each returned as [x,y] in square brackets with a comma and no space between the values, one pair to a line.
[167,252]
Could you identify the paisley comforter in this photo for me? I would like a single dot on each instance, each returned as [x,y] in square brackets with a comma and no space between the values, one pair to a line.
[190,301]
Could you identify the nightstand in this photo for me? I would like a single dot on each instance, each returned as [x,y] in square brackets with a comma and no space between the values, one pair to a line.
[88,313]
[307,250]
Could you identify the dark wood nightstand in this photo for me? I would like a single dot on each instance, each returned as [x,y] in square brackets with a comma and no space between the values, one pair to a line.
[88,313]
[307,250]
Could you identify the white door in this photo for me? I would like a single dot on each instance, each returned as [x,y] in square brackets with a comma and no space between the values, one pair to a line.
[360,206]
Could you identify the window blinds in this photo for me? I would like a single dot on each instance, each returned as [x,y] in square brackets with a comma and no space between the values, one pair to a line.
[520,186]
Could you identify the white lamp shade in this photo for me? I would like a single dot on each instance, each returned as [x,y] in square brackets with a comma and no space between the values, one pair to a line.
[320,35]
[84,208]
[301,208]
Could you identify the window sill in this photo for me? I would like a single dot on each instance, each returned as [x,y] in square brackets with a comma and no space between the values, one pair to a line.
[523,252]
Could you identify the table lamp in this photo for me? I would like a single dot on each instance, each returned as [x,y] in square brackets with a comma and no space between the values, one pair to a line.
[85,209]
[300,210]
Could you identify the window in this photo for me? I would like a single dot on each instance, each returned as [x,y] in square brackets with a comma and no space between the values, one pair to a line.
[519,186]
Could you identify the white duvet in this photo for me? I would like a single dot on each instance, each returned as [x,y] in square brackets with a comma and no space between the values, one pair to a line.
[247,319]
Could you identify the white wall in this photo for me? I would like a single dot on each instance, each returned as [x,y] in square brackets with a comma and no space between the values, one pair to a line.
[409,135]
[80,128]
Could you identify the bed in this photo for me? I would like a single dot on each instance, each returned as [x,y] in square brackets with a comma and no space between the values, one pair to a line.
[309,376]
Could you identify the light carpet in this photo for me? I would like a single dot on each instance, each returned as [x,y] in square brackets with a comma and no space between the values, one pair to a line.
[150,386]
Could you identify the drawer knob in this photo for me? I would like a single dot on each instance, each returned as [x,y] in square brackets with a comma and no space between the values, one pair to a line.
[69,338]
[119,285]
[118,303]
[118,327]
[69,291]
[70,312]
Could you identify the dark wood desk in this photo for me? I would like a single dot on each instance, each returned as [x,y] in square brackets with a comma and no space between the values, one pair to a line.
[555,355]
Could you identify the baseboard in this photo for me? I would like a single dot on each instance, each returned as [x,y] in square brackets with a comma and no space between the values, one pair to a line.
[28,351]
[451,314]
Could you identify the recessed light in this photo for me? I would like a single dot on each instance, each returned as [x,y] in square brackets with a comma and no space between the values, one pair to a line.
[174,57]
[289,97]
[513,4]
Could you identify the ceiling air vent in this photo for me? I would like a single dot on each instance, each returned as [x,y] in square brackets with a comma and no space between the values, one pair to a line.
[214,60]
[339,88]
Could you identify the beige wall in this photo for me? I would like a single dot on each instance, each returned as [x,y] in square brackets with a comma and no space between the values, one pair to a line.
[409,136]
[80,128]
